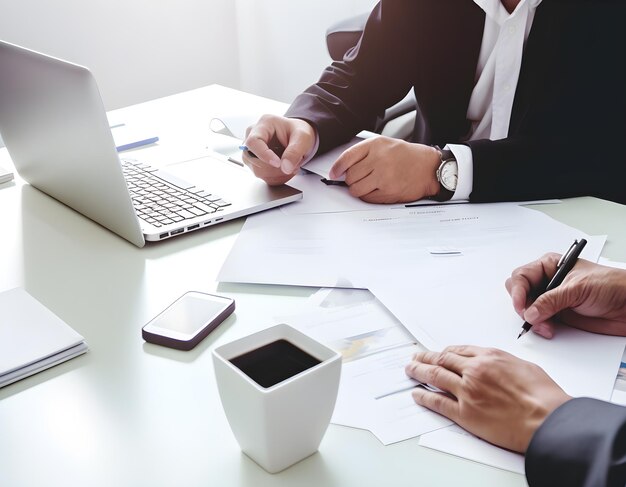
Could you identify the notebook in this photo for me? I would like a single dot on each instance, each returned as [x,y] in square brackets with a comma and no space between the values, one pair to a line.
[55,128]
[32,338]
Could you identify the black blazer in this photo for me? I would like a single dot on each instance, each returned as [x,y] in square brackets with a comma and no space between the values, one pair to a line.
[569,112]
[582,443]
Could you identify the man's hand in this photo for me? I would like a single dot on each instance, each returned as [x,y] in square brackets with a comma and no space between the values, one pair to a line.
[296,136]
[386,170]
[493,394]
[592,297]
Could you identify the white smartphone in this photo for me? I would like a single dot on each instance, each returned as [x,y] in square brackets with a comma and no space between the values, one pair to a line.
[188,320]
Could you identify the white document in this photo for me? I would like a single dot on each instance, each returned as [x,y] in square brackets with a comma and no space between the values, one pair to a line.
[302,250]
[350,321]
[32,338]
[377,386]
[352,249]
[456,441]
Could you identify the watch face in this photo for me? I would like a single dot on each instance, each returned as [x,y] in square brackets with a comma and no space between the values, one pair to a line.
[449,175]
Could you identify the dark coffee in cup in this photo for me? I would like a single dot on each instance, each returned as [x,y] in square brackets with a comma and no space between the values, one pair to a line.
[275,362]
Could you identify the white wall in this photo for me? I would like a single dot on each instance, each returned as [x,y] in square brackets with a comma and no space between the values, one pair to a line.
[282,42]
[143,49]
[137,49]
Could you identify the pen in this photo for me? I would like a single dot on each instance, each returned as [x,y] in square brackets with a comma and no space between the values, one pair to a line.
[244,148]
[409,384]
[334,182]
[274,145]
[566,263]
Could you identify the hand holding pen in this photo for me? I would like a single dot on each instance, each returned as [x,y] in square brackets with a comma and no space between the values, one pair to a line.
[275,147]
[563,267]
[591,297]
[565,264]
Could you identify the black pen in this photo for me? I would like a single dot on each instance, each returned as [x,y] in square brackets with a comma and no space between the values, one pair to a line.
[566,263]
[333,182]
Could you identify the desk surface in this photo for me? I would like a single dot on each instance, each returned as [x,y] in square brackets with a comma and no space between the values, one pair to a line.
[132,413]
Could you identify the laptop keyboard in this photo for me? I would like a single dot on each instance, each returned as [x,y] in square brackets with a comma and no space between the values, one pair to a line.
[159,202]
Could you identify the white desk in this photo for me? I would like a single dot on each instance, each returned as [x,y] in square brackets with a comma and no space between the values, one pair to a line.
[129,413]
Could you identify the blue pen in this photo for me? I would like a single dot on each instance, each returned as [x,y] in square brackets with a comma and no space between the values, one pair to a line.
[245,148]
[274,145]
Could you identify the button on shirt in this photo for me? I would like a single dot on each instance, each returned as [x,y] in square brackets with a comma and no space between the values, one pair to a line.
[497,73]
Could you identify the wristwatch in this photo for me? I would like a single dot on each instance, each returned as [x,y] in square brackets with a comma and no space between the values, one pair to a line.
[447,175]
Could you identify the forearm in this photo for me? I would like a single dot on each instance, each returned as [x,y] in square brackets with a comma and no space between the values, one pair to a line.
[373,76]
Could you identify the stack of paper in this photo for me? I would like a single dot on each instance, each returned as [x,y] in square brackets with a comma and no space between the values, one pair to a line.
[32,338]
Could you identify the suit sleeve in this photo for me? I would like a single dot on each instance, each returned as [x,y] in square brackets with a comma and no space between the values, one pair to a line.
[582,443]
[373,75]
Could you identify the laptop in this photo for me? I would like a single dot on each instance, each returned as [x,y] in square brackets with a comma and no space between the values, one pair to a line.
[54,125]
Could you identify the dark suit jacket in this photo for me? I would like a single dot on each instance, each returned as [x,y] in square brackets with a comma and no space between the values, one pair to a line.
[569,110]
[582,443]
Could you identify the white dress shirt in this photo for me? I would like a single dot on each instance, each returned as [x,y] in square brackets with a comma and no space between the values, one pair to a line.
[497,73]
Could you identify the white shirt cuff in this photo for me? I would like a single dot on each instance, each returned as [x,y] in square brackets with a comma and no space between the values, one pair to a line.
[465,163]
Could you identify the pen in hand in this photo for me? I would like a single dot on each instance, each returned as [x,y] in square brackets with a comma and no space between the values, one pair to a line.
[274,145]
[565,265]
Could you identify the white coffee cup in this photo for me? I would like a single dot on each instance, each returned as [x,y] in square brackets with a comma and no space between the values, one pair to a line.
[280,424]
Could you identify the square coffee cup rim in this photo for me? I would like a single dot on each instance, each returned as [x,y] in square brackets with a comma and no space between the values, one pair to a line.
[334,356]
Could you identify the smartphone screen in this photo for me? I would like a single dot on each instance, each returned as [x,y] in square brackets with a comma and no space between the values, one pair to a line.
[191,316]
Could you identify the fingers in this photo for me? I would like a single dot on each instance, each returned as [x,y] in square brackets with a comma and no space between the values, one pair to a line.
[519,290]
[349,158]
[257,140]
[279,143]
[527,278]
[544,329]
[299,145]
[448,358]
[438,402]
[443,370]
[465,350]
[378,197]
[549,304]
[434,375]
[363,188]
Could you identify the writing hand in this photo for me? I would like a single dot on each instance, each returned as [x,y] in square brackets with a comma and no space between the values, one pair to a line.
[592,297]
